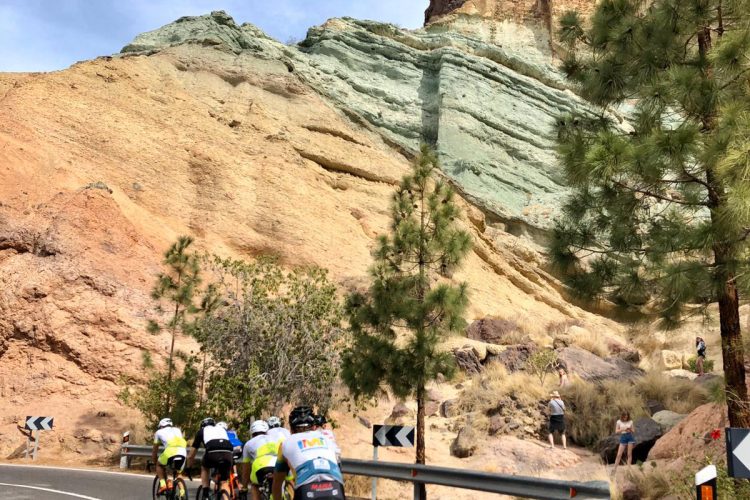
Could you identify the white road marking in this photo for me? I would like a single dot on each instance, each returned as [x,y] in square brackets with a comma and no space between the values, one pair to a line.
[128,474]
[50,490]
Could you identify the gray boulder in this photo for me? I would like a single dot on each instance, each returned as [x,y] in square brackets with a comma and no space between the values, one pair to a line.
[468,360]
[591,367]
[667,419]
[493,330]
[514,357]
[647,431]
[449,408]
[465,443]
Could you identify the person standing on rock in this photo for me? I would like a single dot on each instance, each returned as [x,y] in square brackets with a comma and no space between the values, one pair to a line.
[626,430]
[556,419]
[700,347]
[564,381]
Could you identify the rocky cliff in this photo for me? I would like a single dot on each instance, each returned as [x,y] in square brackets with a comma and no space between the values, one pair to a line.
[208,128]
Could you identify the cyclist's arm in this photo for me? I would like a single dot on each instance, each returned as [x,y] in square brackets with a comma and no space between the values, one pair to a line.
[191,456]
[255,492]
[279,475]
[197,442]
[155,453]
[245,473]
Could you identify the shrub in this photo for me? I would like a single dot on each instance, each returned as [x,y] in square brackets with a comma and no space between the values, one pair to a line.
[495,382]
[708,365]
[592,409]
[593,342]
[561,327]
[651,483]
[541,363]
[677,394]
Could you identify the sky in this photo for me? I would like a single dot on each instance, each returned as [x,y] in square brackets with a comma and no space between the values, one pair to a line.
[47,35]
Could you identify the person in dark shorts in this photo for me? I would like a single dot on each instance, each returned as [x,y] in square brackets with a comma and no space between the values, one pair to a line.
[217,456]
[700,348]
[556,419]
[625,429]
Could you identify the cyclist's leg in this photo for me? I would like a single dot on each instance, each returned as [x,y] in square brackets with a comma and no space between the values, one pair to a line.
[224,462]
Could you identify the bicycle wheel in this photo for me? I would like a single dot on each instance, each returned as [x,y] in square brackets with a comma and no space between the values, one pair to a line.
[179,490]
[199,493]
[155,488]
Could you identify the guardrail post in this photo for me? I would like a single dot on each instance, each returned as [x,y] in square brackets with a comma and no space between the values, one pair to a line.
[418,489]
[124,459]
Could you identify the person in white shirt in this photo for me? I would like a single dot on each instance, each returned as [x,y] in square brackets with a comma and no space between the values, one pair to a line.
[626,429]
[171,438]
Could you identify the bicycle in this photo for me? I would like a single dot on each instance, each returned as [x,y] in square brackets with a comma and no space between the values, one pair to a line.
[176,487]
[266,487]
[216,493]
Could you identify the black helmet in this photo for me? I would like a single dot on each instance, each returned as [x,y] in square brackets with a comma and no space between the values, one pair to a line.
[320,420]
[301,417]
[207,421]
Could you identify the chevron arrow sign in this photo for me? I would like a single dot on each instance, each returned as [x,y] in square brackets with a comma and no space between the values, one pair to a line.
[393,435]
[39,423]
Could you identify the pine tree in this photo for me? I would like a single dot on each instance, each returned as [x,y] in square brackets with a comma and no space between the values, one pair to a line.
[409,308]
[178,288]
[659,217]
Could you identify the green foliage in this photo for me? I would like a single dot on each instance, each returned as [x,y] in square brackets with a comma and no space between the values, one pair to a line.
[541,363]
[654,482]
[409,308]
[708,365]
[676,394]
[272,336]
[149,398]
[653,204]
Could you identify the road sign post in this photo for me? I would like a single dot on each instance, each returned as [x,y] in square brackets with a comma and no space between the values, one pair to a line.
[705,483]
[738,452]
[389,435]
[36,424]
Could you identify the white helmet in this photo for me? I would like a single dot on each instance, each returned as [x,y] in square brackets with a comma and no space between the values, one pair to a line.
[259,427]
[274,422]
[223,425]
[165,422]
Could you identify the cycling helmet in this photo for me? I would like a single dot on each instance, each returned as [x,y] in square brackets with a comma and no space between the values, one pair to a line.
[207,421]
[274,422]
[165,422]
[320,420]
[258,427]
[301,417]
[223,425]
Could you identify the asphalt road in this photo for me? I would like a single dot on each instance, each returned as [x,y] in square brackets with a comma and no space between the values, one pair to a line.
[20,482]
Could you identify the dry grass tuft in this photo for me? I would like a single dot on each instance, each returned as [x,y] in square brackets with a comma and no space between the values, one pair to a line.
[676,394]
[593,342]
[593,409]
[494,383]
[651,484]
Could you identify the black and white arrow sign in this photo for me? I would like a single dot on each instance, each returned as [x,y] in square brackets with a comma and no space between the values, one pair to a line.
[39,423]
[393,435]
[738,452]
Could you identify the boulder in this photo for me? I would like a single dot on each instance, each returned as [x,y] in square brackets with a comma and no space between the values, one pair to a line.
[685,438]
[401,411]
[365,422]
[666,360]
[653,406]
[681,373]
[431,408]
[667,419]
[465,443]
[624,352]
[647,431]
[708,379]
[561,341]
[514,357]
[494,331]
[591,367]
[497,425]
[468,360]
[449,408]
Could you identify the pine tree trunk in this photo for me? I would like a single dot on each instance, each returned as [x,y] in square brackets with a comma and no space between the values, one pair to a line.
[420,436]
[733,356]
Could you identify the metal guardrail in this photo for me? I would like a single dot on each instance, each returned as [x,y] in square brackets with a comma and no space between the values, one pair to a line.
[519,486]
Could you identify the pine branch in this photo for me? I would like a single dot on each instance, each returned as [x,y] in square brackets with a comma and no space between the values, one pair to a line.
[657,196]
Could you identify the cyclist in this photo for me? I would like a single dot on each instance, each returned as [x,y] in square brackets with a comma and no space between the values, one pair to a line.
[258,457]
[233,439]
[174,452]
[275,430]
[218,454]
[321,424]
[312,458]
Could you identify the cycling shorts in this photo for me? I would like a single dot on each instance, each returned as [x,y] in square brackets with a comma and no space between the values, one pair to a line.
[261,464]
[171,452]
[321,490]
[221,460]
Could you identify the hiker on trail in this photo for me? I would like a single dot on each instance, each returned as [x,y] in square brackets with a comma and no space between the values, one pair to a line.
[556,419]
[626,430]
[700,347]
[564,381]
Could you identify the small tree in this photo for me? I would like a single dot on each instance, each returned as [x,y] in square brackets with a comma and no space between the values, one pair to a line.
[177,288]
[273,338]
[659,218]
[398,324]
[541,362]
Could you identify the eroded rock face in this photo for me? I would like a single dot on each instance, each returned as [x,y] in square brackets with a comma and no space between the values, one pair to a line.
[591,367]
[441,7]
[488,109]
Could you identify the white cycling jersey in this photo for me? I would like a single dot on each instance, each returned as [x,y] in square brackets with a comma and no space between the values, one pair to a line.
[328,433]
[278,433]
[263,443]
[172,438]
[312,457]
